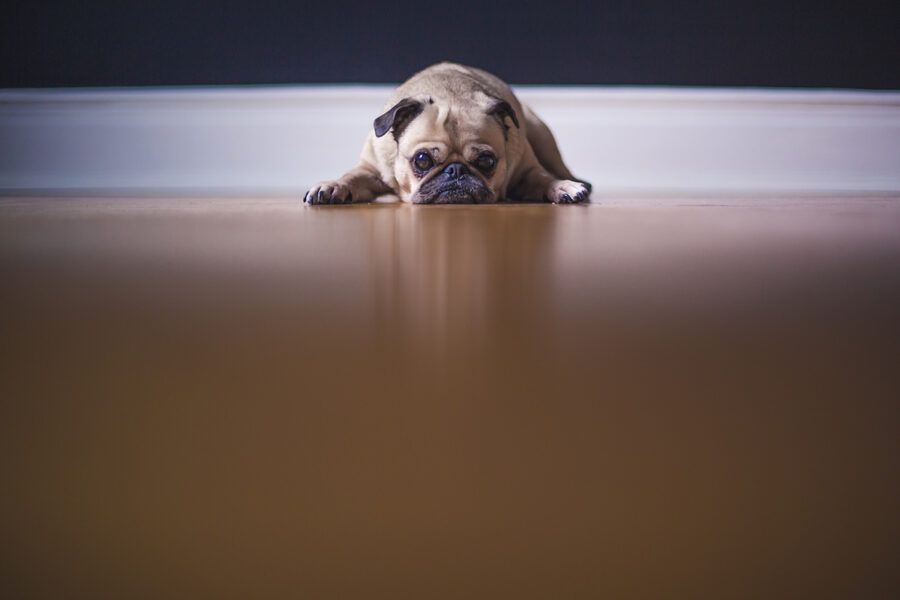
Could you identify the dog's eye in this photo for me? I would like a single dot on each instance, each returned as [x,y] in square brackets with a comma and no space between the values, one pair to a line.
[423,161]
[485,162]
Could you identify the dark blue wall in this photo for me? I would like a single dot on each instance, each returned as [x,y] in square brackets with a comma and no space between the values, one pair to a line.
[656,42]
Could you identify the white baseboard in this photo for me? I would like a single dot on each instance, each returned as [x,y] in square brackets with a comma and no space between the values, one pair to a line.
[279,140]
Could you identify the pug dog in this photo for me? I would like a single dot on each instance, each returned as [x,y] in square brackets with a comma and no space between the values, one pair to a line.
[456,135]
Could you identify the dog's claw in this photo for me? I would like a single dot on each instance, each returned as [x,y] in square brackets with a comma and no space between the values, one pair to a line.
[329,192]
[568,192]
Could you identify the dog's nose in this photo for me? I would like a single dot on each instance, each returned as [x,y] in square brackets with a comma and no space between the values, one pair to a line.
[455,170]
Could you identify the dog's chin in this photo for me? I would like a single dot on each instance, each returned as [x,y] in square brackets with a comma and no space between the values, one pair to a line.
[454,195]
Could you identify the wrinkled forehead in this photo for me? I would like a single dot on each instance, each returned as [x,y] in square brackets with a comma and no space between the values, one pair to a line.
[455,127]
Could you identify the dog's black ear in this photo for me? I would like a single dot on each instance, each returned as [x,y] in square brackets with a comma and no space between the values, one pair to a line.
[398,117]
[501,109]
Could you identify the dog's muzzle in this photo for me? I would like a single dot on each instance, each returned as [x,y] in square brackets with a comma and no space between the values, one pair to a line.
[456,184]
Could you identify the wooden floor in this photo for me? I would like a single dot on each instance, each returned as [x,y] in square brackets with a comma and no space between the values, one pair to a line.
[247,398]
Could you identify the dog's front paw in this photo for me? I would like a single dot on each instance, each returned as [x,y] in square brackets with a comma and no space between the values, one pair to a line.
[329,192]
[563,191]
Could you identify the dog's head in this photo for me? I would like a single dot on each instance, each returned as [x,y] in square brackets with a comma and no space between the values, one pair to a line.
[450,151]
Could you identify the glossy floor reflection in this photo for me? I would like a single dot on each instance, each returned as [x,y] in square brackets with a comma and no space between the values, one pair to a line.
[250,398]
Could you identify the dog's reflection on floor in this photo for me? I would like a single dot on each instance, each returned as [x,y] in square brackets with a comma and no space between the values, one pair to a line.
[450,280]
